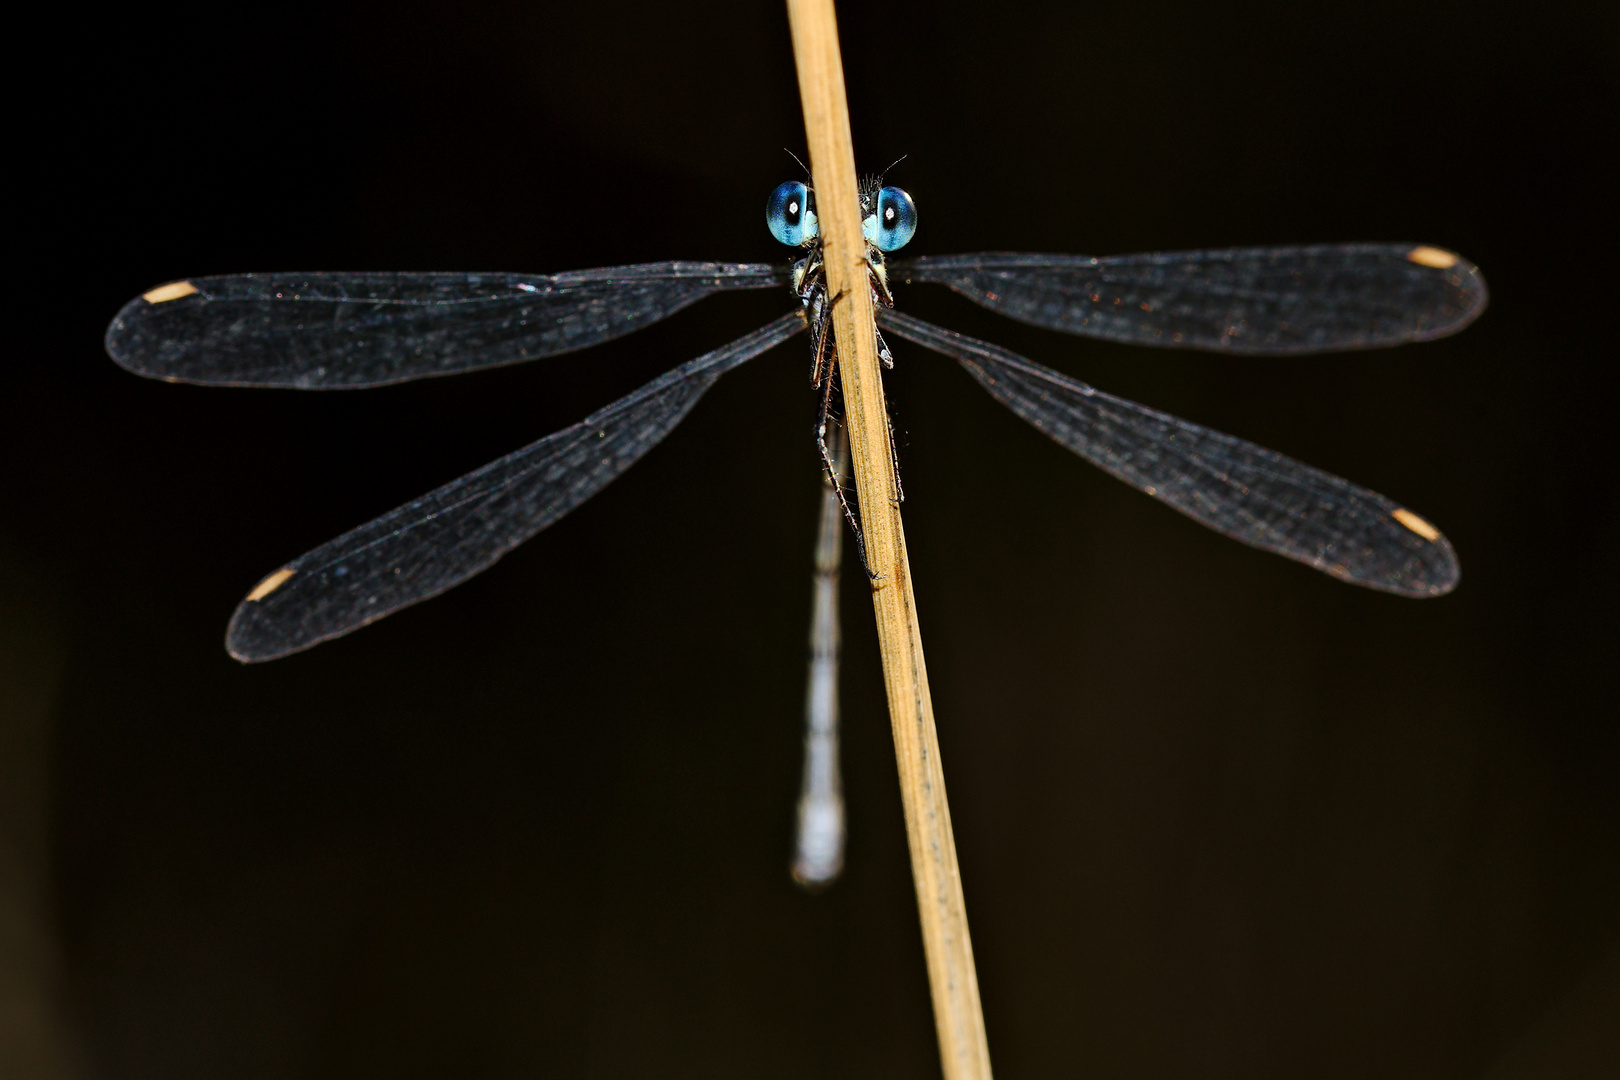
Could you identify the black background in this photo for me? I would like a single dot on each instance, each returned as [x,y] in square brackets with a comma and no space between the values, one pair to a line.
[1218,814]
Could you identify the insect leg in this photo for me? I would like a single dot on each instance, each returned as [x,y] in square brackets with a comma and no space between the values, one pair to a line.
[894,464]
[823,418]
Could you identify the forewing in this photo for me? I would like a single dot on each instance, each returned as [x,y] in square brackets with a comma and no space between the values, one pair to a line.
[460,529]
[352,330]
[1252,494]
[1244,300]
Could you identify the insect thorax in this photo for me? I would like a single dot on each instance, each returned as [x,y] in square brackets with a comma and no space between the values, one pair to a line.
[809,284]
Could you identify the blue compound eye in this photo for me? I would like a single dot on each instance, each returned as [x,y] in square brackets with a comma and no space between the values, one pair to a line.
[790,214]
[895,222]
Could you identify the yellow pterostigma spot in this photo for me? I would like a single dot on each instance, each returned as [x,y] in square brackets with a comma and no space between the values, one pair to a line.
[279,578]
[1439,258]
[174,290]
[1405,517]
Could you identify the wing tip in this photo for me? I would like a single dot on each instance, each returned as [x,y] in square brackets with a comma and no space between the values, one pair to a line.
[241,643]
[246,647]
[124,340]
[245,638]
[1439,570]
[1471,295]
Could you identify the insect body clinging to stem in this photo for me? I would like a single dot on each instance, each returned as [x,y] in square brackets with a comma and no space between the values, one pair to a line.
[888,222]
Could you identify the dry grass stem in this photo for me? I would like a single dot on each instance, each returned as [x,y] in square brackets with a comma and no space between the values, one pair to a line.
[964,1052]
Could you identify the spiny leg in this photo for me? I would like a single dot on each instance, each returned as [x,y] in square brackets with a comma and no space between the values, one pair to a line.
[821,356]
[894,451]
[894,464]
[823,418]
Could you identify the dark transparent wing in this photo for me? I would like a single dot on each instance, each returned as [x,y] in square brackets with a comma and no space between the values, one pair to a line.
[448,535]
[345,331]
[1249,493]
[1245,300]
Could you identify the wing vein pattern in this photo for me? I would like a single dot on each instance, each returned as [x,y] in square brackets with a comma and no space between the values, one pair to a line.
[1277,301]
[331,331]
[448,535]
[1254,495]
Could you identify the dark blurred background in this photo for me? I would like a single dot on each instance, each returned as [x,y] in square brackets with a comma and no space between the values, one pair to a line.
[1218,815]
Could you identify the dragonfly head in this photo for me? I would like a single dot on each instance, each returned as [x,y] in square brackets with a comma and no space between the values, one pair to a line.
[888,216]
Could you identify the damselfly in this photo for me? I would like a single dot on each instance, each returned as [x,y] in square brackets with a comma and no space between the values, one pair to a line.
[354,330]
